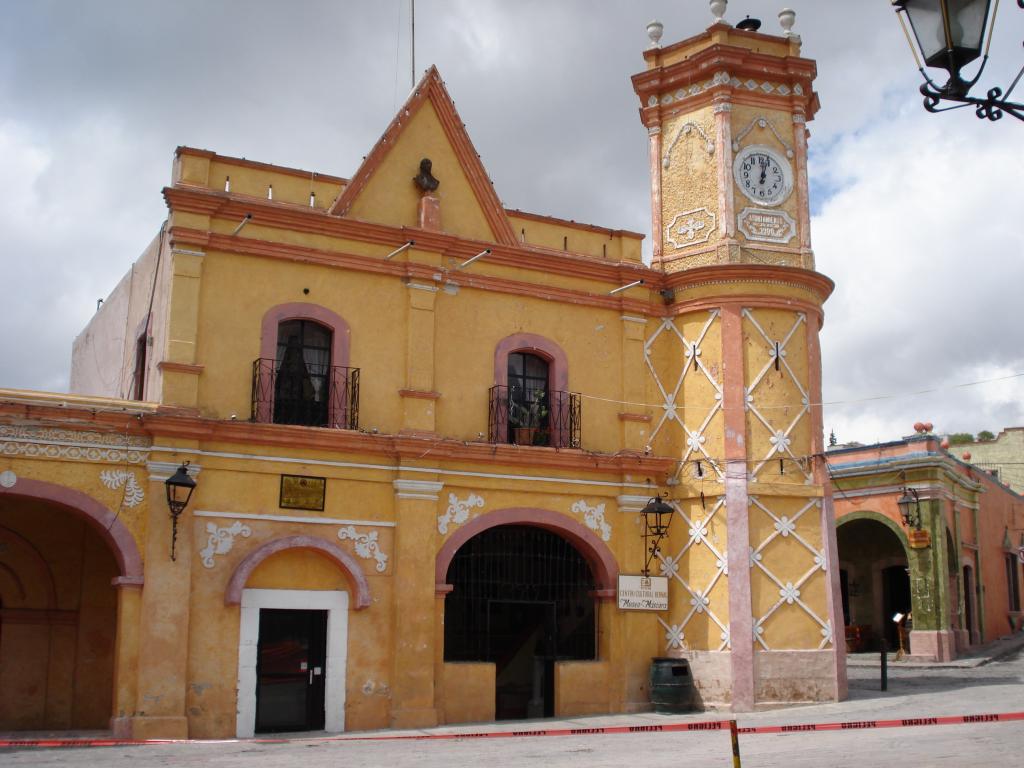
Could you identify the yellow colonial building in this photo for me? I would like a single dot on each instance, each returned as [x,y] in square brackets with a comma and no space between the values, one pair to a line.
[422,429]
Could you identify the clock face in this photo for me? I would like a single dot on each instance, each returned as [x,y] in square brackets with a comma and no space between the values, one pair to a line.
[763,175]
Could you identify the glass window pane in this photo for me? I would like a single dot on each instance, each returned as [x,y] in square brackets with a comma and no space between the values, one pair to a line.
[536,366]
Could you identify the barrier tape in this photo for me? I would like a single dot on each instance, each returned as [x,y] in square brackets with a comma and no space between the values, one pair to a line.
[707,725]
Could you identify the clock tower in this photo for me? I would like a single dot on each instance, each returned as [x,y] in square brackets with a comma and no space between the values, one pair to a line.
[735,365]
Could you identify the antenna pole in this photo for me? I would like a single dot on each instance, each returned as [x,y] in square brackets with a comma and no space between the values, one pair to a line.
[412,18]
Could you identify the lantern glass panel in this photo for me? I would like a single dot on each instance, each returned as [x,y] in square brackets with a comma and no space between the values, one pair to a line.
[962,44]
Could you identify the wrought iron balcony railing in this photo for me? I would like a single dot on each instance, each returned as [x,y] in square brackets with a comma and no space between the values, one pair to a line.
[548,418]
[310,395]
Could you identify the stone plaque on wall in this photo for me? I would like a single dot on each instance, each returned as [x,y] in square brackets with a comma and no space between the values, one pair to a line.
[766,226]
[301,492]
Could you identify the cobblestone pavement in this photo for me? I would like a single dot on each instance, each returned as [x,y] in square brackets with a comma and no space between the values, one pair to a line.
[913,693]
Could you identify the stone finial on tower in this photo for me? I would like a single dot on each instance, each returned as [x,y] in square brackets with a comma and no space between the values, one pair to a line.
[718,10]
[787,18]
[655,29]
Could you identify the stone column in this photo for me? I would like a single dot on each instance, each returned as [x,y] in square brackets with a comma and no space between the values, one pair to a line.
[736,505]
[418,397]
[412,685]
[178,368]
[802,190]
[635,422]
[164,617]
[126,654]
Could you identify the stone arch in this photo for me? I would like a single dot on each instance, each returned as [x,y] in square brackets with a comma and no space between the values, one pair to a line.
[877,517]
[597,554]
[341,333]
[233,593]
[558,362]
[102,520]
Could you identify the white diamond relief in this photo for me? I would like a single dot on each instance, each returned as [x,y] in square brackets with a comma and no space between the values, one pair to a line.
[593,517]
[697,596]
[220,540]
[115,478]
[458,511]
[789,592]
[780,438]
[366,545]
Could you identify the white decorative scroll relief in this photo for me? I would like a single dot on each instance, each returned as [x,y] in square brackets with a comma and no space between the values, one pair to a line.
[115,478]
[766,226]
[687,129]
[691,228]
[221,540]
[594,518]
[366,544]
[458,511]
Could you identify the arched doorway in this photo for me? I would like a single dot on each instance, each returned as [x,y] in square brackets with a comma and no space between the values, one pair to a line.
[876,585]
[58,611]
[522,598]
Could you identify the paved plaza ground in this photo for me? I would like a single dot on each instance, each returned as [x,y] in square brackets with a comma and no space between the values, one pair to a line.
[963,688]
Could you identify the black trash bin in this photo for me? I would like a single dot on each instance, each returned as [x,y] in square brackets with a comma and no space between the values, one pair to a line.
[672,689]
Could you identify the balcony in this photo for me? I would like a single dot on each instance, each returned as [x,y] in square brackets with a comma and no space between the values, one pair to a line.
[534,418]
[310,395]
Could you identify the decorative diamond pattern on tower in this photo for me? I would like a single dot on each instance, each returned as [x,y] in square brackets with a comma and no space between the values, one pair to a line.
[788,574]
[688,370]
[699,613]
[777,403]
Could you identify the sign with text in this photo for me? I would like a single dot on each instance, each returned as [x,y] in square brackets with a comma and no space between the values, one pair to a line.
[301,492]
[643,593]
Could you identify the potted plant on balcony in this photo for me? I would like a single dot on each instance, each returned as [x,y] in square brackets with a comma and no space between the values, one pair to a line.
[529,420]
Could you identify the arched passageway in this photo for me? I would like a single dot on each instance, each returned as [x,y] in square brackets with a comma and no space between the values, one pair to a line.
[58,616]
[522,598]
[874,580]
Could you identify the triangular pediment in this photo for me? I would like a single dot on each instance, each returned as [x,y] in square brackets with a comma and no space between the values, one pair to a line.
[427,126]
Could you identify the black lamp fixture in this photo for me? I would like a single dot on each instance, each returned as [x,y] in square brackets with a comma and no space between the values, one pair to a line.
[179,490]
[950,34]
[910,508]
[657,518]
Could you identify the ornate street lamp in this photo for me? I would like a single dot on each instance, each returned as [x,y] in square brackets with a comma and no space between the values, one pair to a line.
[179,490]
[951,34]
[910,508]
[657,518]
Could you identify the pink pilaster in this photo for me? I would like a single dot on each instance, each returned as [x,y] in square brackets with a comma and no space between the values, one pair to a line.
[741,635]
[803,194]
[657,236]
[723,145]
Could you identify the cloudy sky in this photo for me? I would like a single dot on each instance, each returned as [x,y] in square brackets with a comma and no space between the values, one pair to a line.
[917,217]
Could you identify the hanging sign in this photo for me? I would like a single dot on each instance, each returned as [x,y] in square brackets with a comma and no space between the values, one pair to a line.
[643,593]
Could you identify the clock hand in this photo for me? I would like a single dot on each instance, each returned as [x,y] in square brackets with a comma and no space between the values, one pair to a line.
[764,169]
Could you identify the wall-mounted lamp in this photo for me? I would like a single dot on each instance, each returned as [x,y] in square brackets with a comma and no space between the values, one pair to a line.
[657,518]
[241,224]
[910,508]
[179,490]
[625,287]
[400,249]
[480,255]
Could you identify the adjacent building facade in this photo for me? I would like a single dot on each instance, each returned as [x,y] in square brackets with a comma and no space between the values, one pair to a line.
[953,565]
[422,429]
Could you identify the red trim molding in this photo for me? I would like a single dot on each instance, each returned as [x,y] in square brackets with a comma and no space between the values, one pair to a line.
[599,557]
[233,594]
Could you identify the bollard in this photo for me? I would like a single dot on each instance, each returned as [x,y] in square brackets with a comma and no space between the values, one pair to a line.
[885,665]
[734,733]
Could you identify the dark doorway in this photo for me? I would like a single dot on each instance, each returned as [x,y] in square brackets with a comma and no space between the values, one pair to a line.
[528,400]
[844,590]
[290,670]
[521,599]
[896,599]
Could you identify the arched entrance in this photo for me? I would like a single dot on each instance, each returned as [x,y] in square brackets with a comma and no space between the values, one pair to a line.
[522,598]
[875,581]
[60,550]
